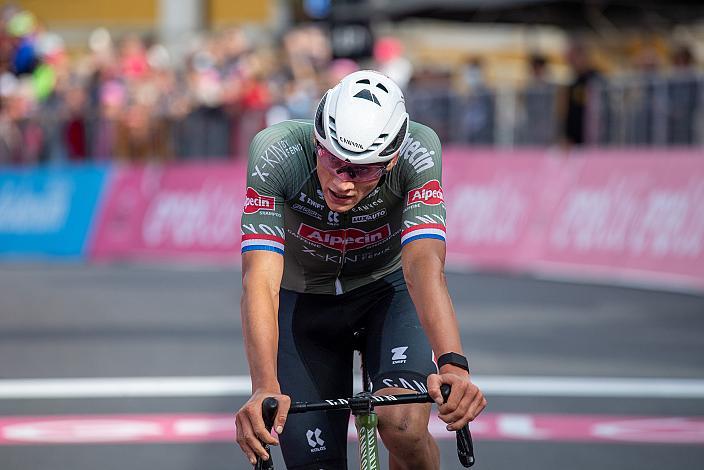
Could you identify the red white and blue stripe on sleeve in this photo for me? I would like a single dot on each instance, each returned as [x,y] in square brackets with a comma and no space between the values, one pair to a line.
[419,231]
[264,242]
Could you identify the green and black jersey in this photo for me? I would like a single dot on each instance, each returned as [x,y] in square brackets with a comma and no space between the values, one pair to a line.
[326,252]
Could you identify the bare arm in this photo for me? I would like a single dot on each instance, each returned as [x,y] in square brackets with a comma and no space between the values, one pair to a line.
[424,271]
[261,281]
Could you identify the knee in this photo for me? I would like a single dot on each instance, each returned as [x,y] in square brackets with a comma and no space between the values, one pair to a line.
[404,428]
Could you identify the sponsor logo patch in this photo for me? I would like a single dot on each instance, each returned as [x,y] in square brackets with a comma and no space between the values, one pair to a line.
[417,155]
[255,202]
[350,239]
[429,194]
[314,441]
[399,355]
[358,219]
[303,197]
[306,210]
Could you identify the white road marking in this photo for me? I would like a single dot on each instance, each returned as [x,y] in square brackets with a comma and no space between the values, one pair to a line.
[241,386]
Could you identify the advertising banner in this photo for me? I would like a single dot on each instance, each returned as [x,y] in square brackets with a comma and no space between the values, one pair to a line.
[497,207]
[172,212]
[48,211]
[632,217]
[620,215]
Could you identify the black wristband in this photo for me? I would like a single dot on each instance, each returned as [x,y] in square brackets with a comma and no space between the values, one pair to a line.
[454,359]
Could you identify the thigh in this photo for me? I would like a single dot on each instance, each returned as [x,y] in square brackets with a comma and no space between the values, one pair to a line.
[311,367]
[397,351]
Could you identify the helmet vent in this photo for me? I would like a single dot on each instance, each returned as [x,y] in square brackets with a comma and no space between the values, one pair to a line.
[319,127]
[364,81]
[397,142]
[382,87]
[367,95]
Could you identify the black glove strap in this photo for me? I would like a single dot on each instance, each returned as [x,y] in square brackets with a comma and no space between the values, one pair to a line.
[457,360]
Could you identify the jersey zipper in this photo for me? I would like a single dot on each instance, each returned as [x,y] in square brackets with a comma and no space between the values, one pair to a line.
[338,283]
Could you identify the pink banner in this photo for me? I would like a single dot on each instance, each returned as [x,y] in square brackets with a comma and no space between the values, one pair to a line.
[496,207]
[595,214]
[615,216]
[190,211]
[632,217]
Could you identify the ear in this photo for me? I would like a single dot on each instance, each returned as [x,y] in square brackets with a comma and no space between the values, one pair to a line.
[392,163]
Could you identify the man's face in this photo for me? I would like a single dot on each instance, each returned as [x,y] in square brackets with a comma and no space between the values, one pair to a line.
[341,195]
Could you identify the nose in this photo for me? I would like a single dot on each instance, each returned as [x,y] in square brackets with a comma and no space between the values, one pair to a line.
[341,186]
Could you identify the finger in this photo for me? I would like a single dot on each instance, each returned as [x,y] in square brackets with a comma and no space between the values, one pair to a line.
[256,446]
[476,407]
[459,388]
[473,409]
[282,413]
[456,415]
[434,382]
[242,440]
[261,432]
[253,436]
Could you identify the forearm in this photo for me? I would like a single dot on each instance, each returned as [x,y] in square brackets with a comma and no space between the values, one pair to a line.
[259,307]
[432,301]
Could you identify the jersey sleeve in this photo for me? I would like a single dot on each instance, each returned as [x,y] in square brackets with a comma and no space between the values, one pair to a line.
[424,204]
[263,213]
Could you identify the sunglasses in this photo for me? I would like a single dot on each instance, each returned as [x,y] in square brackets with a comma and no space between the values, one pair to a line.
[349,171]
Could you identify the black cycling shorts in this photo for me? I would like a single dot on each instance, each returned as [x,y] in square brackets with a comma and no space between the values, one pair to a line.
[316,352]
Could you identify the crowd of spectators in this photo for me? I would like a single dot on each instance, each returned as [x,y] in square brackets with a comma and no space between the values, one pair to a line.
[132,100]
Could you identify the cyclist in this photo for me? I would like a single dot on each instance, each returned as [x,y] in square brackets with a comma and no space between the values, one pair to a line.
[343,232]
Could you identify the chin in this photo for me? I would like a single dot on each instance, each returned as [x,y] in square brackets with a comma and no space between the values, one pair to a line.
[340,208]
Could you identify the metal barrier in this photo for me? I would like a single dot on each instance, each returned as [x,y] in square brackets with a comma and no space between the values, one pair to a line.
[648,110]
[625,111]
[641,110]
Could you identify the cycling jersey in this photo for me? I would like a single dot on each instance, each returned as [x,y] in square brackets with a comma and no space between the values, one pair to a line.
[328,252]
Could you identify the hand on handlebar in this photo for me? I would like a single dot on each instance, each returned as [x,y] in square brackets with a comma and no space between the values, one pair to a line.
[251,431]
[463,405]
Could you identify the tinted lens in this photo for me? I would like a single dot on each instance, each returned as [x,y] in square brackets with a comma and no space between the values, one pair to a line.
[348,171]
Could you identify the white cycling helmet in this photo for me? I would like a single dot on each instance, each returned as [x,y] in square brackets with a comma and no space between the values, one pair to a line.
[363,119]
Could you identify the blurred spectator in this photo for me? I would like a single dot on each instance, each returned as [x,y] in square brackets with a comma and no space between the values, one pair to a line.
[643,97]
[537,117]
[477,115]
[21,138]
[10,135]
[685,100]
[75,132]
[390,60]
[577,93]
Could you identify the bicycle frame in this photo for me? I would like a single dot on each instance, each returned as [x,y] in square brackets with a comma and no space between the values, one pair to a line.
[362,406]
[368,444]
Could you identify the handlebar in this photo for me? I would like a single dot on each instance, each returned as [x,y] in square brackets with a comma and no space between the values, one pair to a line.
[361,404]
[269,407]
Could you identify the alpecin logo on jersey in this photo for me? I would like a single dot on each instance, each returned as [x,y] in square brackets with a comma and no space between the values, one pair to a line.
[429,194]
[349,239]
[255,202]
